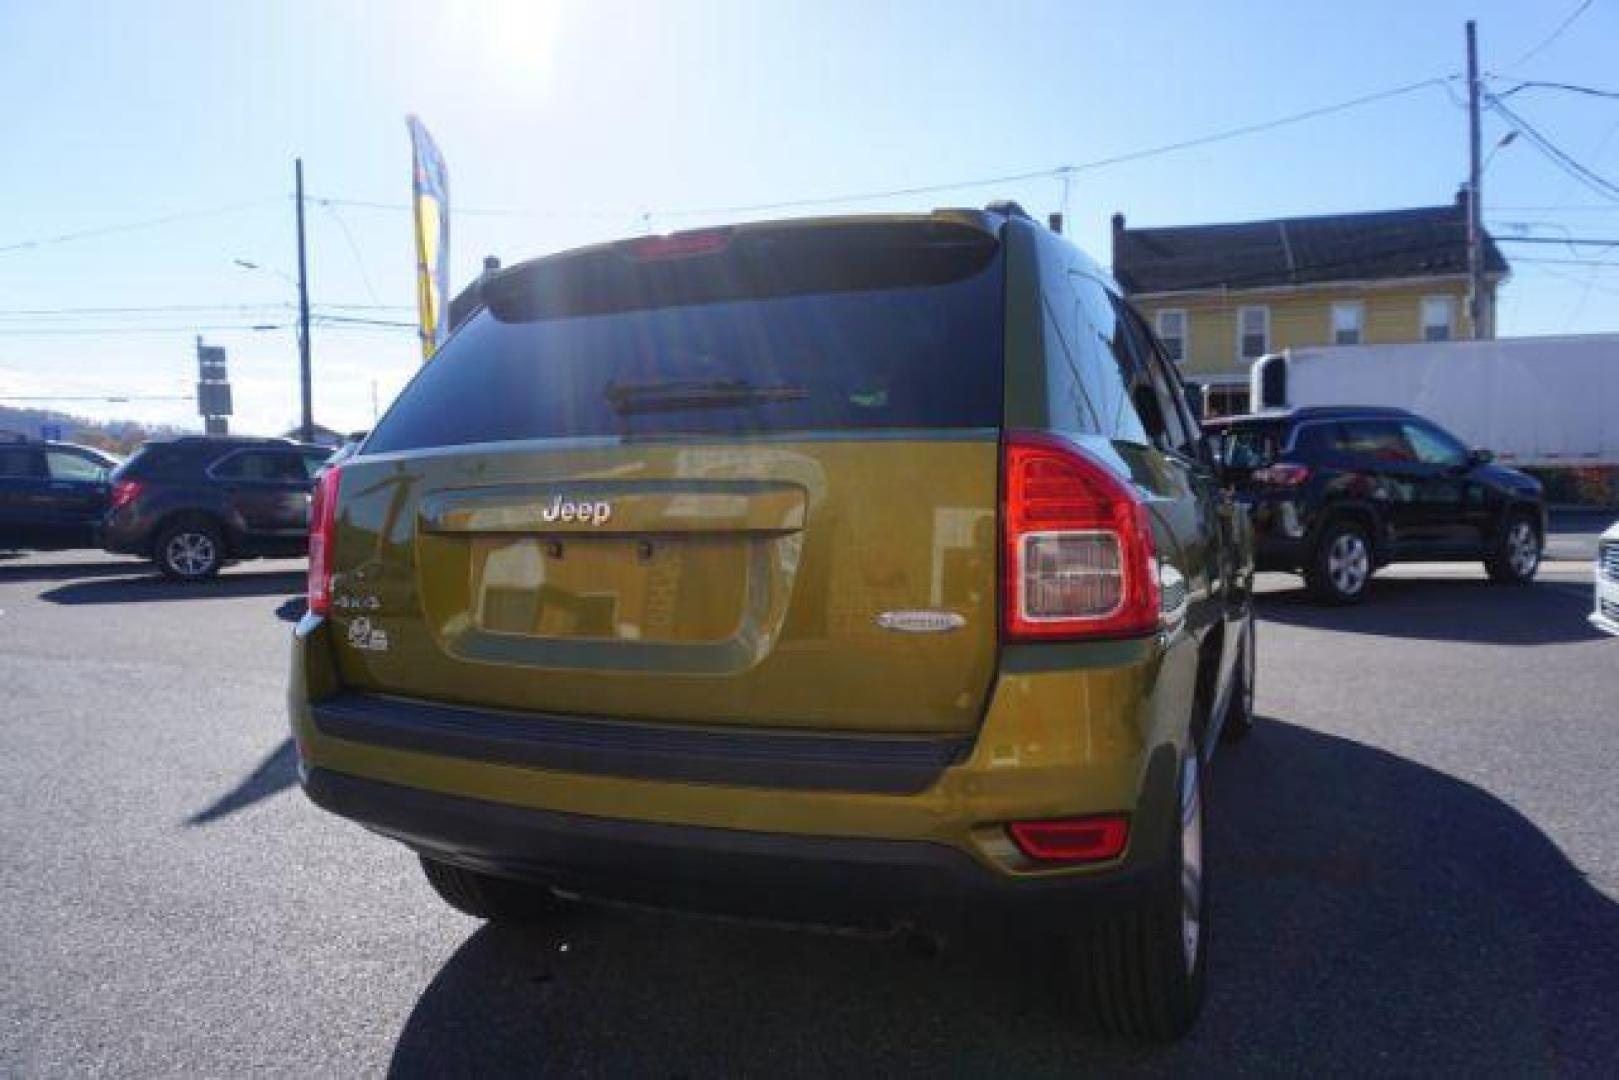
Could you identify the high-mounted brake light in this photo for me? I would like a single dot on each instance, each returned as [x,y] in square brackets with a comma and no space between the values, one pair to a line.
[1089,839]
[124,492]
[1077,545]
[1283,474]
[322,534]
[677,245]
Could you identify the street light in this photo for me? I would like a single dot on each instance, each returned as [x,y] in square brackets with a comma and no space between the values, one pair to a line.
[1506,140]
[249,264]
[299,331]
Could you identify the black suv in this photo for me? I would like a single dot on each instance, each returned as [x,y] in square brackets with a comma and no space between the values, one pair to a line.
[193,504]
[52,494]
[1337,492]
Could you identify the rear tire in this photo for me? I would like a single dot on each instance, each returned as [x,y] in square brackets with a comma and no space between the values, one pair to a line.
[1340,568]
[1239,709]
[1144,969]
[189,550]
[1516,558]
[485,896]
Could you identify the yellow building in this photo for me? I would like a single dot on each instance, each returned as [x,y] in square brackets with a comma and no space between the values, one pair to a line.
[1221,296]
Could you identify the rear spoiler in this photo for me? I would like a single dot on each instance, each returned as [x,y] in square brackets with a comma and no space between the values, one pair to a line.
[747,262]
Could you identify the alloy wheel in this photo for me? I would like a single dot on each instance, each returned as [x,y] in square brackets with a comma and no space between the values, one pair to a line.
[1348,563]
[1523,549]
[191,554]
[1191,864]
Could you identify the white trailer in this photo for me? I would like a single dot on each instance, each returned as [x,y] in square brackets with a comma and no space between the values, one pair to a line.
[1543,401]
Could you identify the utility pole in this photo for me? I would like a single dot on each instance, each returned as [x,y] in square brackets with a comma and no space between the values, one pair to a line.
[307,432]
[1478,301]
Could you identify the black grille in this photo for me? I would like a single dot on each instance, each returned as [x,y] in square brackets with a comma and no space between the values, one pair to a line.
[1608,559]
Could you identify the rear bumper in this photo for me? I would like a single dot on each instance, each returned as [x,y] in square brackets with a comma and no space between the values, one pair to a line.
[675,818]
[836,881]
[124,534]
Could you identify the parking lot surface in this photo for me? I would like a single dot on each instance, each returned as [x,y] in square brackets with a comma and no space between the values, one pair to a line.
[1416,860]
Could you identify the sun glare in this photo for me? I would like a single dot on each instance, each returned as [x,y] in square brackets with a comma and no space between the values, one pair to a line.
[515,39]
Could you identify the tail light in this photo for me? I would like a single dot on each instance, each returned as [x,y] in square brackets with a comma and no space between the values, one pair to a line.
[1078,549]
[1283,474]
[1089,839]
[124,492]
[322,534]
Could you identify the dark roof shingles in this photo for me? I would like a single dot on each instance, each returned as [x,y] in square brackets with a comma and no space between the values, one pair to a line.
[1420,242]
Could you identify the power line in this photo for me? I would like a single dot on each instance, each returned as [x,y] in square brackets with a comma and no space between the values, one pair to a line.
[99,397]
[356,321]
[1052,173]
[108,230]
[1556,33]
[190,328]
[1536,260]
[354,249]
[1572,208]
[172,309]
[325,322]
[1596,183]
[1589,91]
[1577,241]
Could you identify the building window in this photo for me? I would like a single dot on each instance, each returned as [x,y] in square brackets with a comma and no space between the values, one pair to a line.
[1348,323]
[1225,401]
[1438,318]
[1253,332]
[1171,327]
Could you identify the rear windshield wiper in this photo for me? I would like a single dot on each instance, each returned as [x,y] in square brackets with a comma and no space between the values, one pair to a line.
[674,395]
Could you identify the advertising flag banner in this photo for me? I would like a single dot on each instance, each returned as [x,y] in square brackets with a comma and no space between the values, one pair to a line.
[430,208]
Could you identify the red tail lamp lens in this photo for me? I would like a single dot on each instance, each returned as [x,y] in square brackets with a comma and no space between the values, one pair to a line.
[1078,542]
[125,492]
[1091,839]
[322,535]
[1285,474]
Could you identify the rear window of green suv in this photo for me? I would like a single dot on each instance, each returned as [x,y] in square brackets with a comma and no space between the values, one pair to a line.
[823,329]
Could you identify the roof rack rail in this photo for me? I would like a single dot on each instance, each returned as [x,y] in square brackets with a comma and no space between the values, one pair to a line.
[1007,208]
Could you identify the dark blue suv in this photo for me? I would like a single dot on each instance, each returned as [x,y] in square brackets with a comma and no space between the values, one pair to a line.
[52,494]
[1337,492]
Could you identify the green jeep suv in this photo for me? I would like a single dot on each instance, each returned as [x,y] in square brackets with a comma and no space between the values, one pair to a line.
[861,571]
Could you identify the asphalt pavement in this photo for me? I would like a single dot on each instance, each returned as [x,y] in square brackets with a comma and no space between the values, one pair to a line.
[1415,860]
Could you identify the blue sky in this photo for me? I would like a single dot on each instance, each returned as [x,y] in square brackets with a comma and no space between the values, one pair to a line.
[565,123]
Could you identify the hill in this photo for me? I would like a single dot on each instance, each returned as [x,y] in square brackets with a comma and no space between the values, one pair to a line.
[116,436]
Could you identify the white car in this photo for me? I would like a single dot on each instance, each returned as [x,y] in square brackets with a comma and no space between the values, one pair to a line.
[1605,615]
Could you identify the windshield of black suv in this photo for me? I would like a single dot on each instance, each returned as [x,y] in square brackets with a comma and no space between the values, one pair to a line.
[1253,446]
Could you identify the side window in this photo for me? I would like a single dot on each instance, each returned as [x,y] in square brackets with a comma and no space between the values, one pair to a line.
[245,465]
[233,467]
[1164,423]
[1069,388]
[1434,447]
[312,464]
[1380,440]
[20,461]
[288,467]
[1319,440]
[66,465]
[1106,361]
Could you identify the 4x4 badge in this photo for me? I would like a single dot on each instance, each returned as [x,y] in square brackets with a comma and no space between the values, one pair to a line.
[921,622]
